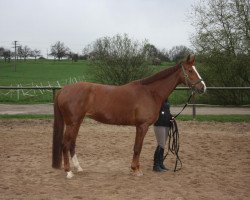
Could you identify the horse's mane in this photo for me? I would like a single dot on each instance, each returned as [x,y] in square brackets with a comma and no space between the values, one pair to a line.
[160,75]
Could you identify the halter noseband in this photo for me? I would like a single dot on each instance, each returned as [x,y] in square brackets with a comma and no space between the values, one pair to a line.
[187,79]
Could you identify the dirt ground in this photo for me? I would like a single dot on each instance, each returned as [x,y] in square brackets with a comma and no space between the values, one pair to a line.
[215,156]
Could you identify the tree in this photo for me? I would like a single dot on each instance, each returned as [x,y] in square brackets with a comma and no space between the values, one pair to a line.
[151,52]
[222,25]
[73,56]
[118,59]
[164,55]
[35,53]
[7,55]
[59,50]
[26,52]
[177,53]
[1,51]
[23,52]
[222,40]
[19,52]
[154,55]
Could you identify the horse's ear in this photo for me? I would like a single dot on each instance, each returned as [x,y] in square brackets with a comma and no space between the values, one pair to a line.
[191,59]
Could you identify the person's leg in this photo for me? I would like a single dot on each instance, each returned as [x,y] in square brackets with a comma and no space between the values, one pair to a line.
[160,135]
[161,140]
[161,151]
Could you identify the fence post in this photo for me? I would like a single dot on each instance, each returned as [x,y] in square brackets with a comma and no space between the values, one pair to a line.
[194,107]
[54,93]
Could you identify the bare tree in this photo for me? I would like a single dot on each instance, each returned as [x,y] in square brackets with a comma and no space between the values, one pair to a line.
[35,53]
[177,53]
[19,52]
[118,59]
[26,52]
[23,52]
[222,25]
[59,50]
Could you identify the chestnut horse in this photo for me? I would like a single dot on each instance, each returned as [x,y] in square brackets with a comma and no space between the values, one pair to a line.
[137,103]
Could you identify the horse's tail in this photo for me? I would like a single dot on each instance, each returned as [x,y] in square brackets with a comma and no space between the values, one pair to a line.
[57,135]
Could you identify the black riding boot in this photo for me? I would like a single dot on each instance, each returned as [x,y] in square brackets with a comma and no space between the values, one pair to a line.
[157,160]
[161,155]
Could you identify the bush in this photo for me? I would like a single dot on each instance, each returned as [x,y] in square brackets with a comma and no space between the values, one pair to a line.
[118,59]
[226,70]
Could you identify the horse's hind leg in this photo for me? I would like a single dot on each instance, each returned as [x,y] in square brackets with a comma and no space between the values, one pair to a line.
[74,157]
[69,141]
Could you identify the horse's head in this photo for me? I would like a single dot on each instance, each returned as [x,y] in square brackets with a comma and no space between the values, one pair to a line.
[190,75]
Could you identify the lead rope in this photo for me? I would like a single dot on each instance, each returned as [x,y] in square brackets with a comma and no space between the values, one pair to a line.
[173,144]
[173,137]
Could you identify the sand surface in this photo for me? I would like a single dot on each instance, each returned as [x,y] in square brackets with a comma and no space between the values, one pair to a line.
[215,156]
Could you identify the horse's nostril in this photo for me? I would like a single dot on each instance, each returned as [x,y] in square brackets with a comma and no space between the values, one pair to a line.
[203,88]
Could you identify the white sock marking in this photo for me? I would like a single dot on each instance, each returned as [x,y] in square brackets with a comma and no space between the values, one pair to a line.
[70,174]
[76,163]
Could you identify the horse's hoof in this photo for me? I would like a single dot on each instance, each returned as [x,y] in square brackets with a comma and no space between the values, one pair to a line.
[137,172]
[79,170]
[70,174]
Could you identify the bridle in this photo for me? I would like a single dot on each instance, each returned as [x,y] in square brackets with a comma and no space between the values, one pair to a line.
[189,82]
[191,87]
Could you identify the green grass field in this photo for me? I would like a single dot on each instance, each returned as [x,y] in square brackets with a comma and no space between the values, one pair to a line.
[43,71]
[40,73]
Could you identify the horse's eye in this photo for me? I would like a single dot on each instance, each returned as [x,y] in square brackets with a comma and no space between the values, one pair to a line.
[190,71]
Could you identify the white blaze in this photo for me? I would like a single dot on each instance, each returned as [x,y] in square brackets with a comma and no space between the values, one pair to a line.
[200,78]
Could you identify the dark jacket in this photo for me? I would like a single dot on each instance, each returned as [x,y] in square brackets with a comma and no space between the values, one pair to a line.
[164,116]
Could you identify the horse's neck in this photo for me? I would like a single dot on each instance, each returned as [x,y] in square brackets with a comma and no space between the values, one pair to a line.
[164,87]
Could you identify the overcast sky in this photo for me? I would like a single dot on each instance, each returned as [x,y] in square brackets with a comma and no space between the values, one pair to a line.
[40,23]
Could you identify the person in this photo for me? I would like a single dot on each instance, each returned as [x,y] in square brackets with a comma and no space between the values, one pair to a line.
[161,129]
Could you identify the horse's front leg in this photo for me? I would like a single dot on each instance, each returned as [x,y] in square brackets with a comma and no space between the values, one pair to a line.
[141,131]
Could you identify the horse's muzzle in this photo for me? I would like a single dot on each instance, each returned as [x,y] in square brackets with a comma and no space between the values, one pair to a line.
[202,90]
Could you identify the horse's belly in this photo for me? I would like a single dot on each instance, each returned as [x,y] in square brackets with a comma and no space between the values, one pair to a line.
[113,118]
